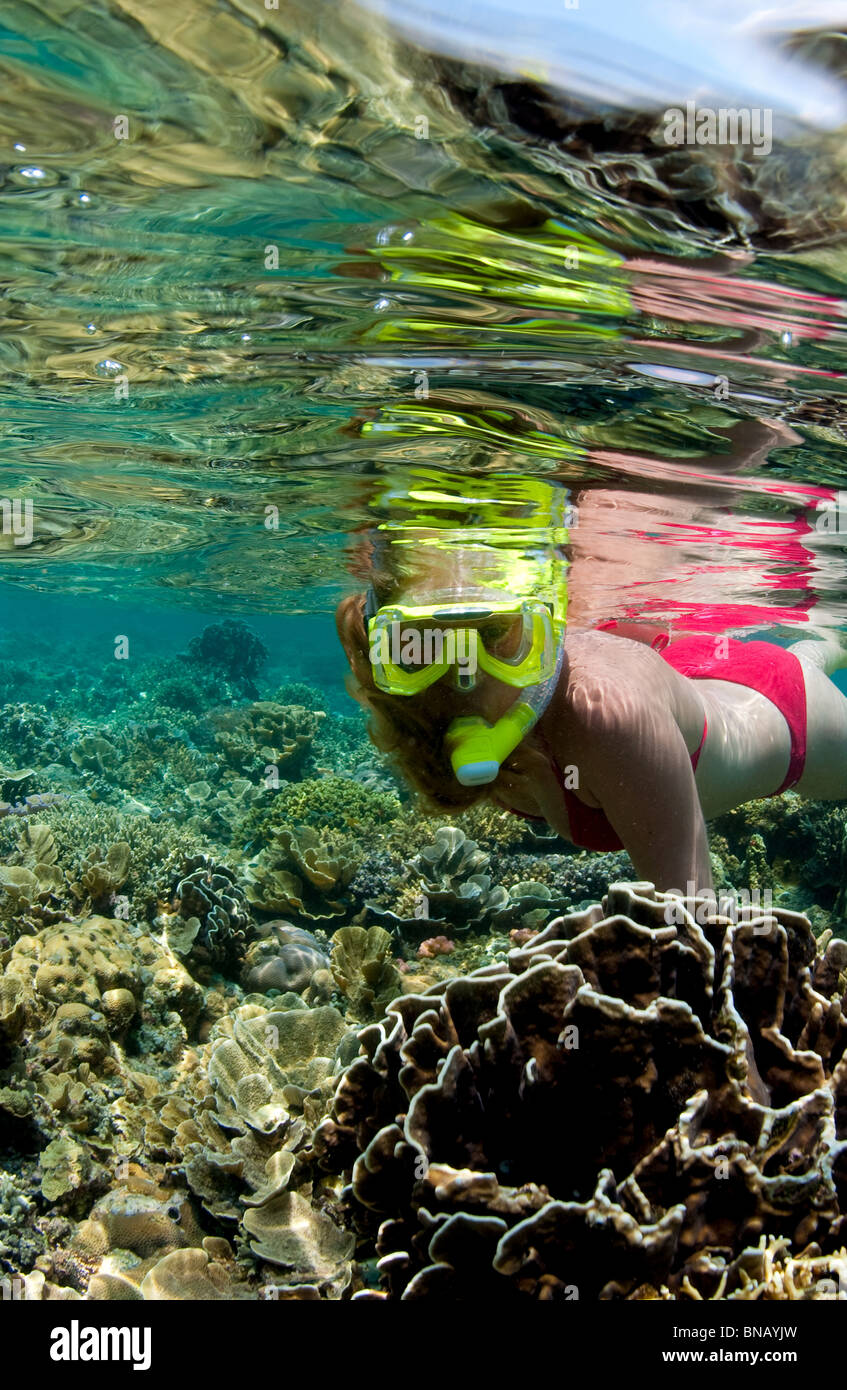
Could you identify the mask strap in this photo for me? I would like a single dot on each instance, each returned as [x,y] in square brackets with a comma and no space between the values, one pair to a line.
[372,604]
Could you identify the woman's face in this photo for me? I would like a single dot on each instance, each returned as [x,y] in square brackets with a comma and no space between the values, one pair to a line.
[437,574]
[465,688]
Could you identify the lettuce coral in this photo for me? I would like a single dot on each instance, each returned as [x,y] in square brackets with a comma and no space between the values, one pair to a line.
[252,738]
[209,918]
[691,1065]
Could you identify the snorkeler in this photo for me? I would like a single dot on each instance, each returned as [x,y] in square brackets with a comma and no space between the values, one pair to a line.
[481,690]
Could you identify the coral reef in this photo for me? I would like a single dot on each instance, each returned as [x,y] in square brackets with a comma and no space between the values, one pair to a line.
[181,1083]
[94,754]
[75,986]
[689,1065]
[81,1003]
[282,958]
[30,805]
[363,969]
[266,740]
[787,841]
[231,647]
[29,733]
[323,803]
[208,920]
[266,1079]
[436,946]
[304,874]
[449,884]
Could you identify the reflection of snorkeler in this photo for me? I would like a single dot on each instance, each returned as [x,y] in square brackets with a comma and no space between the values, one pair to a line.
[613,742]
[550,281]
[652,496]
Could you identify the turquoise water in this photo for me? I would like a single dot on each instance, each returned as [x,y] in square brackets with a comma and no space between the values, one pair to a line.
[263,276]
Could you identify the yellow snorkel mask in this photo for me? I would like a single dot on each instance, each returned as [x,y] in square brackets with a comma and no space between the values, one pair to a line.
[508,619]
[412,647]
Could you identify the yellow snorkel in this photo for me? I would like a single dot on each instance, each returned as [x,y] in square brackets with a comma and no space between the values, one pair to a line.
[478,749]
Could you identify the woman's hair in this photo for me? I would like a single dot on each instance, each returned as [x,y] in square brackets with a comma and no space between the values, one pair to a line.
[409,728]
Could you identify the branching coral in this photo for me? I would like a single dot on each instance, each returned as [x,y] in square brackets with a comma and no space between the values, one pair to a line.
[35,887]
[157,849]
[325,803]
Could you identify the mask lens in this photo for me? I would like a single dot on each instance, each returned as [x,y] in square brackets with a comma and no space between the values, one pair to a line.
[516,645]
[504,636]
[420,646]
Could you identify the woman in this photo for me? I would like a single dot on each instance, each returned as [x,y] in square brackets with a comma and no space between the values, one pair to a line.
[625,741]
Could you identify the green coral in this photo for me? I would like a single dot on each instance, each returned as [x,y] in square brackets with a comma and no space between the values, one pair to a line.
[323,803]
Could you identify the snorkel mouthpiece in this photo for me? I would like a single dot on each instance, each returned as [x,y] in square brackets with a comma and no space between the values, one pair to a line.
[477,749]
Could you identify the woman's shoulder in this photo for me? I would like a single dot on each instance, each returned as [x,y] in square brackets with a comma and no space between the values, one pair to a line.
[610,679]
[618,686]
[594,655]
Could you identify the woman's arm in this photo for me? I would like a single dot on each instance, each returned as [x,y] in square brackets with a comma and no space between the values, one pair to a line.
[634,762]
